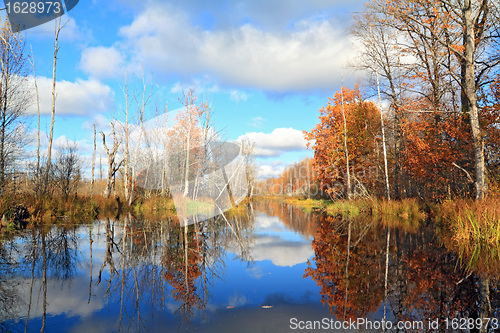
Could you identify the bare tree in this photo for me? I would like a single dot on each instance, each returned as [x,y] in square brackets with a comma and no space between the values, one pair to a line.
[67,171]
[15,97]
[37,170]
[126,141]
[57,31]
[247,149]
[93,165]
[113,166]
[381,58]
[146,95]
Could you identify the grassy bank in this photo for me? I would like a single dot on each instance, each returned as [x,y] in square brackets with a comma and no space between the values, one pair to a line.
[472,221]
[85,208]
[75,208]
[307,204]
[472,229]
[378,208]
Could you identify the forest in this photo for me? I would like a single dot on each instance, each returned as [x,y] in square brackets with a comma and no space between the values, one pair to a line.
[422,123]
[394,215]
[426,122]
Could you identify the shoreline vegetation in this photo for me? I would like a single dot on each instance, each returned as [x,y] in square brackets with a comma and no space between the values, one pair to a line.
[469,221]
[471,228]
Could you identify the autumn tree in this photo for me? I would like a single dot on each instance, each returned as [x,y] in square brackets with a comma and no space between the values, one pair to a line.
[327,141]
[490,115]
[187,144]
[465,32]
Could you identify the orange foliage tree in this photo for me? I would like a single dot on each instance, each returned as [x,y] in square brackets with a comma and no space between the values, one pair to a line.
[438,155]
[490,112]
[363,141]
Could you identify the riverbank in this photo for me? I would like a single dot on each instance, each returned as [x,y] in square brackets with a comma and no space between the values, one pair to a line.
[469,221]
[81,208]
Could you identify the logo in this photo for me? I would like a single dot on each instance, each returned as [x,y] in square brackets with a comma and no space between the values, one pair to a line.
[28,14]
[204,177]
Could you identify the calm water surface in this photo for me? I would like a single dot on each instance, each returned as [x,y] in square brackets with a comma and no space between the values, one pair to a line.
[250,273]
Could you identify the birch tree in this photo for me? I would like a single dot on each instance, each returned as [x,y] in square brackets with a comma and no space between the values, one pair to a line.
[57,31]
[468,30]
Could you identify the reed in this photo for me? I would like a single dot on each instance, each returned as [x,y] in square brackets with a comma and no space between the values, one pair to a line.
[472,221]
[348,208]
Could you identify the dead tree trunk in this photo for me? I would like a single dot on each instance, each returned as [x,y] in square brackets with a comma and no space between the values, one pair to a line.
[112,165]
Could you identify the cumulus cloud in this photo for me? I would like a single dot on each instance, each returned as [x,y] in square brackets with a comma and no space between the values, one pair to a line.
[100,122]
[273,144]
[281,252]
[82,146]
[81,97]
[269,171]
[306,56]
[102,62]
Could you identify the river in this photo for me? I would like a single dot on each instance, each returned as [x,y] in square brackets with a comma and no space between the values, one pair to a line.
[267,268]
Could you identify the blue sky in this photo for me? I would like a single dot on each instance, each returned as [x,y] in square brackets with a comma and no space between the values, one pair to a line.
[265,66]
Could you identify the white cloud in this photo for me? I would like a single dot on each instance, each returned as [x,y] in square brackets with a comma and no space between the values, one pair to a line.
[198,85]
[306,56]
[281,252]
[280,140]
[102,62]
[100,122]
[269,170]
[82,97]
[82,146]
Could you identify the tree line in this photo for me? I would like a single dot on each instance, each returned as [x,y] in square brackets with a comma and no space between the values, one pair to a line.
[426,121]
[144,152]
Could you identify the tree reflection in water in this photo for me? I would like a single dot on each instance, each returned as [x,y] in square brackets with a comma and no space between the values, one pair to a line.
[43,253]
[135,268]
[147,260]
[8,295]
[425,279]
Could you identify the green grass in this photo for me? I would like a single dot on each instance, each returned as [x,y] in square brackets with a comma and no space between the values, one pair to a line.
[473,230]
[345,208]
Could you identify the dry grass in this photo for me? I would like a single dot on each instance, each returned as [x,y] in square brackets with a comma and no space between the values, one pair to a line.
[154,207]
[473,231]
[472,221]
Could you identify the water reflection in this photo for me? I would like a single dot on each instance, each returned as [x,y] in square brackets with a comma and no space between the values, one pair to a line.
[248,271]
[425,280]
[137,275]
